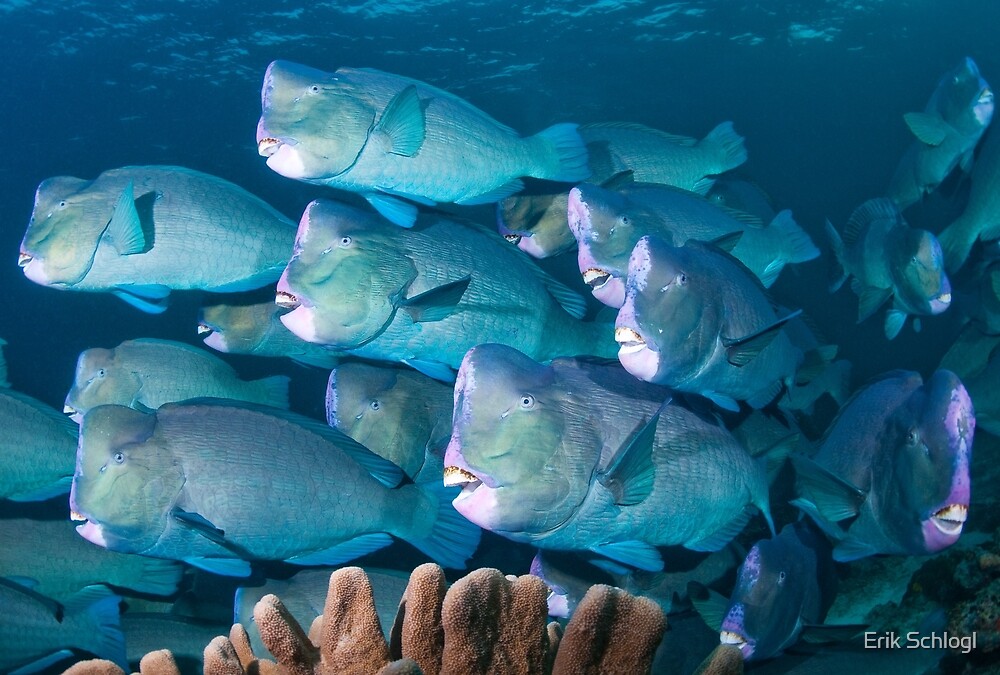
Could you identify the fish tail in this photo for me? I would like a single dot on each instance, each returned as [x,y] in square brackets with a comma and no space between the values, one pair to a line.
[838,275]
[562,155]
[273,391]
[100,612]
[956,243]
[728,146]
[452,539]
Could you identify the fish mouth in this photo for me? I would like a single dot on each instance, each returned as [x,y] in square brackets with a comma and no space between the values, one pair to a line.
[728,637]
[513,238]
[629,340]
[951,519]
[204,328]
[23,259]
[457,477]
[77,517]
[595,277]
[286,300]
[986,95]
[267,146]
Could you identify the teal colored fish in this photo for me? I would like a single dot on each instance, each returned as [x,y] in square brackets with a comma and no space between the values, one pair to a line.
[257,330]
[892,473]
[387,136]
[52,559]
[141,231]
[424,296]
[890,259]
[38,445]
[980,220]
[581,457]
[146,373]
[607,223]
[218,484]
[184,637]
[696,320]
[37,632]
[947,131]
[536,223]
[396,413]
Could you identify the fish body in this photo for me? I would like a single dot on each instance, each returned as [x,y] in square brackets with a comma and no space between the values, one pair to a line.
[34,628]
[257,330]
[425,295]
[142,231]
[957,114]
[608,223]
[38,445]
[536,223]
[179,483]
[892,473]
[60,563]
[975,358]
[148,372]
[694,319]
[578,456]
[745,196]
[784,585]
[890,259]
[396,413]
[387,136]
[185,638]
[980,220]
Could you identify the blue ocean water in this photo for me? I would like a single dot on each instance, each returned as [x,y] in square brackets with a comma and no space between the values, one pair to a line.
[818,88]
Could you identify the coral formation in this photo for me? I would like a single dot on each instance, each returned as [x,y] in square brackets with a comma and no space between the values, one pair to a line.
[485,623]
[724,660]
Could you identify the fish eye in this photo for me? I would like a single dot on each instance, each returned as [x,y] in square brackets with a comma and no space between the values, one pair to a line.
[345,241]
[624,220]
[912,437]
[62,204]
[781,577]
[119,458]
[682,279]
[527,401]
[314,89]
[375,405]
[101,372]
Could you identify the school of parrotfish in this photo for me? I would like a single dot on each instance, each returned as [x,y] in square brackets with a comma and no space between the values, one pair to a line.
[472,389]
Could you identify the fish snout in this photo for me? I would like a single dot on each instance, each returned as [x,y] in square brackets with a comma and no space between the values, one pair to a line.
[267,146]
[285,300]
[205,329]
[951,519]
[941,303]
[577,214]
[457,477]
[23,259]
[629,340]
[596,277]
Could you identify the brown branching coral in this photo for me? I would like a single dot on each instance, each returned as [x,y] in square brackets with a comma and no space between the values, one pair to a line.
[610,632]
[485,623]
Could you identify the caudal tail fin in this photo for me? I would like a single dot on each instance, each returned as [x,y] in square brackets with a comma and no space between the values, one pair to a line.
[562,154]
[957,240]
[726,146]
[273,391]
[838,275]
[98,609]
[452,539]
[793,244]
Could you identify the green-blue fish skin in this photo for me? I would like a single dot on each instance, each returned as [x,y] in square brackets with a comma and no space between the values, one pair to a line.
[256,329]
[538,449]
[174,229]
[216,483]
[955,118]
[148,372]
[353,274]
[38,445]
[388,136]
[59,562]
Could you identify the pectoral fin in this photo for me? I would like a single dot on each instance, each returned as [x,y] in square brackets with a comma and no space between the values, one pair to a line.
[636,554]
[894,320]
[834,498]
[741,351]
[403,123]
[392,209]
[437,303]
[870,299]
[200,524]
[125,229]
[711,606]
[629,476]
[929,129]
